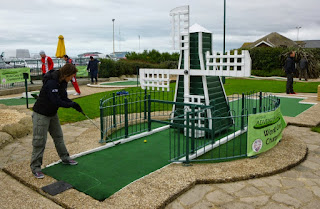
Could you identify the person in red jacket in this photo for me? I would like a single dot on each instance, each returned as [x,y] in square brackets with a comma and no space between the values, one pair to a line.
[47,63]
[73,80]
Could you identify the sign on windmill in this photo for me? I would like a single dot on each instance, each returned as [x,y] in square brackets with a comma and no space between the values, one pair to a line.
[199,71]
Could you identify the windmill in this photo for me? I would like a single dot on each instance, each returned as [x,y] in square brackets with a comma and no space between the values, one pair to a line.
[199,70]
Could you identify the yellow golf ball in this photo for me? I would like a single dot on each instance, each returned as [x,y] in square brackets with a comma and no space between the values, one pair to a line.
[145,141]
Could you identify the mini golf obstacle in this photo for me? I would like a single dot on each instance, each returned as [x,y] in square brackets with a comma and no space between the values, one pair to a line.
[194,122]
[200,110]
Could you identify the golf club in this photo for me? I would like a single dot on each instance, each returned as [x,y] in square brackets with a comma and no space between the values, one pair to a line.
[98,128]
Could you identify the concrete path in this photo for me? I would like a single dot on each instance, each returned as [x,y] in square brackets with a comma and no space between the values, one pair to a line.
[298,187]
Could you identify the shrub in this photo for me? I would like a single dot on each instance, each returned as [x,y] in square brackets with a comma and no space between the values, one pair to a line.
[111,68]
[153,56]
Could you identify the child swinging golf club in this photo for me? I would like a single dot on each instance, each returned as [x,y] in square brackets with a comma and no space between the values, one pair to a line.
[53,95]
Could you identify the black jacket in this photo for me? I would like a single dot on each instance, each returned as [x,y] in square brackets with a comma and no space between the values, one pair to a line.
[290,65]
[93,65]
[53,95]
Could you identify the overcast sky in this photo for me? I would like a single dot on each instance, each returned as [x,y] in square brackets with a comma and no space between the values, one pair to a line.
[87,24]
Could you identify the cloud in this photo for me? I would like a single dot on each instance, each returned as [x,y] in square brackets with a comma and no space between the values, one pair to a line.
[87,25]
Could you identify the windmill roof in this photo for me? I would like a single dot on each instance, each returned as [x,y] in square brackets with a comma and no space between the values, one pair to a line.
[198,28]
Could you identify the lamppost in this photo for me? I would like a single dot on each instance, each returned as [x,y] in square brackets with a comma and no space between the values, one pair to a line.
[113,33]
[224,28]
[224,35]
[298,28]
[139,43]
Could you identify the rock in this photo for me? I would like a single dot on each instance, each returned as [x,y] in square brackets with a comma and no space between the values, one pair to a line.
[16,130]
[5,138]
[27,121]
[122,77]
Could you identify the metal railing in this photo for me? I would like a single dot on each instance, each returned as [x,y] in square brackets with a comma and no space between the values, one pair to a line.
[119,111]
[35,69]
[193,135]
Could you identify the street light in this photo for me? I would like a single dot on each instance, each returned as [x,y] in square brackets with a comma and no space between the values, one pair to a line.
[224,27]
[113,33]
[298,28]
[139,43]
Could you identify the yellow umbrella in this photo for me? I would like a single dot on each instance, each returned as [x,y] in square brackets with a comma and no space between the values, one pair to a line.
[61,49]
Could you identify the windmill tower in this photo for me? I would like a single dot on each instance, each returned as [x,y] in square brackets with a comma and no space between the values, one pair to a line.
[198,72]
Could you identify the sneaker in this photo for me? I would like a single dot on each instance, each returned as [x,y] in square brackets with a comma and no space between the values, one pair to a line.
[39,175]
[77,94]
[70,162]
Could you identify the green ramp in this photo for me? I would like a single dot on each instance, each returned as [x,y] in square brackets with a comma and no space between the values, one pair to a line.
[103,173]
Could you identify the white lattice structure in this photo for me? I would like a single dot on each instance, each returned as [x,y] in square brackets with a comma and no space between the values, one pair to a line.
[236,65]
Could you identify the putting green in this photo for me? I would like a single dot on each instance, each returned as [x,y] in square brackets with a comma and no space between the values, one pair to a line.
[122,83]
[103,173]
[291,106]
[18,101]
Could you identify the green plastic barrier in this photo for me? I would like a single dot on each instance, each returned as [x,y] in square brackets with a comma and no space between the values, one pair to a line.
[13,75]
[82,71]
[264,131]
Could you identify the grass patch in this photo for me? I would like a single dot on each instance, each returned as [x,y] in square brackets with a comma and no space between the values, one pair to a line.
[90,104]
[315,129]
[20,101]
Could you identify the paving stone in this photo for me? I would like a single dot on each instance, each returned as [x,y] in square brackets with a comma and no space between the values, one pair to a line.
[312,147]
[272,181]
[195,194]
[203,205]
[302,194]
[312,204]
[257,182]
[237,205]
[312,165]
[219,197]
[232,187]
[301,168]
[309,175]
[256,201]
[175,205]
[248,192]
[308,182]
[289,183]
[291,174]
[270,189]
[286,199]
[272,205]
[316,190]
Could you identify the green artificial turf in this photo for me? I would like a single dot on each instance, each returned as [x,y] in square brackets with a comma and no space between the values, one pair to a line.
[291,106]
[90,104]
[102,173]
[237,85]
[122,83]
[20,101]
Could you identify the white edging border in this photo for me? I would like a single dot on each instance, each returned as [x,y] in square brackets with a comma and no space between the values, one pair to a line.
[111,144]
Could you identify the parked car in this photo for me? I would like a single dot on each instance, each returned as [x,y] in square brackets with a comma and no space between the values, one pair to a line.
[118,55]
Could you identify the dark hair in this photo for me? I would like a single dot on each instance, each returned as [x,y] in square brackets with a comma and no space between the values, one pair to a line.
[66,56]
[67,70]
[91,57]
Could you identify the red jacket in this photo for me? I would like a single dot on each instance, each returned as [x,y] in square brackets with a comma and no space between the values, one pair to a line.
[47,64]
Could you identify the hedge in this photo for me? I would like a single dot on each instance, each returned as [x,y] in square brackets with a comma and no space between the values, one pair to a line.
[111,68]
